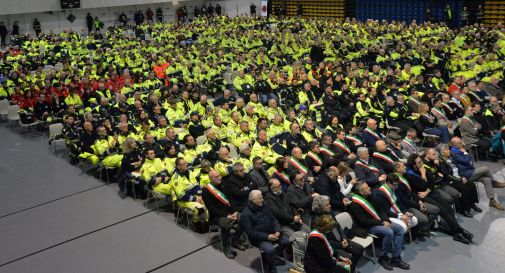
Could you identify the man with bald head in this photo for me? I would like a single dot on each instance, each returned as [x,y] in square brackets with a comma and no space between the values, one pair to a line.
[371,133]
[384,157]
[297,162]
[327,184]
[263,229]
[222,214]
[368,170]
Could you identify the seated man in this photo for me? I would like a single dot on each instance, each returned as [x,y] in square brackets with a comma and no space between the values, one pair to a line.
[464,162]
[366,169]
[386,198]
[384,157]
[263,230]
[299,195]
[471,132]
[188,194]
[222,213]
[155,173]
[259,175]
[327,184]
[369,218]
[237,186]
[277,202]
[371,133]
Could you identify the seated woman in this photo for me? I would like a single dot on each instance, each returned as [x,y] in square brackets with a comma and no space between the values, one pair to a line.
[320,256]
[429,125]
[336,236]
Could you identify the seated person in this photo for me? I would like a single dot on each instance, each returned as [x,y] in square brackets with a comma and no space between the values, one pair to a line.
[367,169]
[369,218]
[262,229]
[237,186]
[319,255]
[327,184]
[299,195]
[337,237]
[155,173]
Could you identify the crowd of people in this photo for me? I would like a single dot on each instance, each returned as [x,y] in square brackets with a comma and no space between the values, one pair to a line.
[269,127]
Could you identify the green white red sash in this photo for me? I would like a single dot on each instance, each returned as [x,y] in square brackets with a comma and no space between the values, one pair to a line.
[316,158]
[370,131]
[383,157]
[439,113]
[366,206]
[447,106]
[368,166]
[218,194]
[342,146]
[327,151]
[298,165]
[429,117]
[469,120]
[404,181]
[317,234]
[415,101]
[283,176]
[409,143]
[391,198]
[354,140]
[476,96]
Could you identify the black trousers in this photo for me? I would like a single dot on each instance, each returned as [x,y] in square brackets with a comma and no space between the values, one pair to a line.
[468,197]
[446,214]
[353,252]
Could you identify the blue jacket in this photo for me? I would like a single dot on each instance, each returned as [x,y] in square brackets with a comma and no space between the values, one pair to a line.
[258,223]
[464,162]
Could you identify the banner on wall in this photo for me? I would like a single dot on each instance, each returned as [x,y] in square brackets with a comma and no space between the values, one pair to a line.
[264,8]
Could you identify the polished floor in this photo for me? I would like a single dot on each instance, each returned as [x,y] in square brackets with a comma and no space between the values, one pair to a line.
[56,218]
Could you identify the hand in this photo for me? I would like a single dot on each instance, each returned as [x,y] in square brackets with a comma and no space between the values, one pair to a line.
[317,169]
[297,219]
[353,181]
[157,181]
[272,237]
[344,259]
[315,194]
[387,224]
[352,156]
[422,207]
[423,194]
[436,161]
[199,199]
[383,177]
[346,202]
[422,170]
[345,244]
[409,214]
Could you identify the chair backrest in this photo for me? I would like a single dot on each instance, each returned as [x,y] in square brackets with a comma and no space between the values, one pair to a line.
[233,151]
[55,129]
[4,105]
[344,219]
[12,112]
[200,140]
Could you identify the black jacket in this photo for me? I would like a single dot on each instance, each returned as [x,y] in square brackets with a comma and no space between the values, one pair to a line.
[237,190]
[324,186]
[300,199]
[258,223]
[215,207]
[279,205]
[318,259]
[362,220]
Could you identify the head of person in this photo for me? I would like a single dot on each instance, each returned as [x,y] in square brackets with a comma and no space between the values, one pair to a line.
[321,205]
[325,223]
[256,198]
[262,136]
[275,186]
[457,142]
[315,147]
[399,167]
[333,173]
[215,177]
[150,154]
[443,150]
[258,163]
[380,145]
[296,153]
[392,181]
[362,189]
[189,141]
[372,124]
[411,133]
[281,164]
[363,153]
[294,128]
[238,170]
[129,145]
[224,153]
[414,162]
[298,178]
[181,165]
[430,154]
[211,134]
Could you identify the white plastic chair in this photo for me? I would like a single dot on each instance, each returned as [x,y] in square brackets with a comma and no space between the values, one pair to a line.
[12,113]
[4,108]
[345,221]
[54,131]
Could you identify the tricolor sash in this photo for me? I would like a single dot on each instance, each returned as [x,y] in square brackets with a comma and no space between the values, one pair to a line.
[429,117]
[354,140]
[370,131]
[218,194]
[366,206]
[475,96]
[298,165]
[439,113]
[409,143]
[391,198]
[342,146]
[404,181]
[317,234]
[370,167]
[415,101]
[383,157]
[471,120]
[327,151]
[316,158]
[283,176]
[447,106]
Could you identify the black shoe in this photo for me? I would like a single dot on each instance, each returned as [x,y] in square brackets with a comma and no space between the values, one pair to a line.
[466,213]
[384,262]
[477,209]
[238,246]
[467,234]
[229,253]
[459,237]
[397,262]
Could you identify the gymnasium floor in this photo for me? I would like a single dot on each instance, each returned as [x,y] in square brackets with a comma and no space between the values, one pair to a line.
[55,218]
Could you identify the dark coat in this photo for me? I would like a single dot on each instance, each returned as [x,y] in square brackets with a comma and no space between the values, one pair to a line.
[258,223]
[324,186]
[215,207]
[237,190]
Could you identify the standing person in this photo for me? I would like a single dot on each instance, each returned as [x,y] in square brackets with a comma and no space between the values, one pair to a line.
[89,22]
[427,15]
[299,9]
[15,29]
[479,15]
[37,27]
[123,19]
[464,16]
[159,15]
[448,15]
[150,15]
[3,33]
[218,9]
[253,9]
[98,24]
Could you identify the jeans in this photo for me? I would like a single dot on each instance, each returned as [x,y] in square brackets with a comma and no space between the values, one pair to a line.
[441,131]
[269,250]
[393,234]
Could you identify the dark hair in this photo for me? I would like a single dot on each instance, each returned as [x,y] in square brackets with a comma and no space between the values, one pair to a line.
[313,144]
[411,161]
[255,159]
[392,178]
[279,163]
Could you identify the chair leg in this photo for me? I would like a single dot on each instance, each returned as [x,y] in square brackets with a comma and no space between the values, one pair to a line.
[261,259]
[133,190]
[157,205]
[208,236]
[375,260]
[422,142]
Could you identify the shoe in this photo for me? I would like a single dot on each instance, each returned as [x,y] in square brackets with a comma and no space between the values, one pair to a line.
[459,237]
[238,246]
[497,184]
[229,253]
[496,205]
[467,234]
[397,262]
[477,209]
[384,262]
[466,213]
